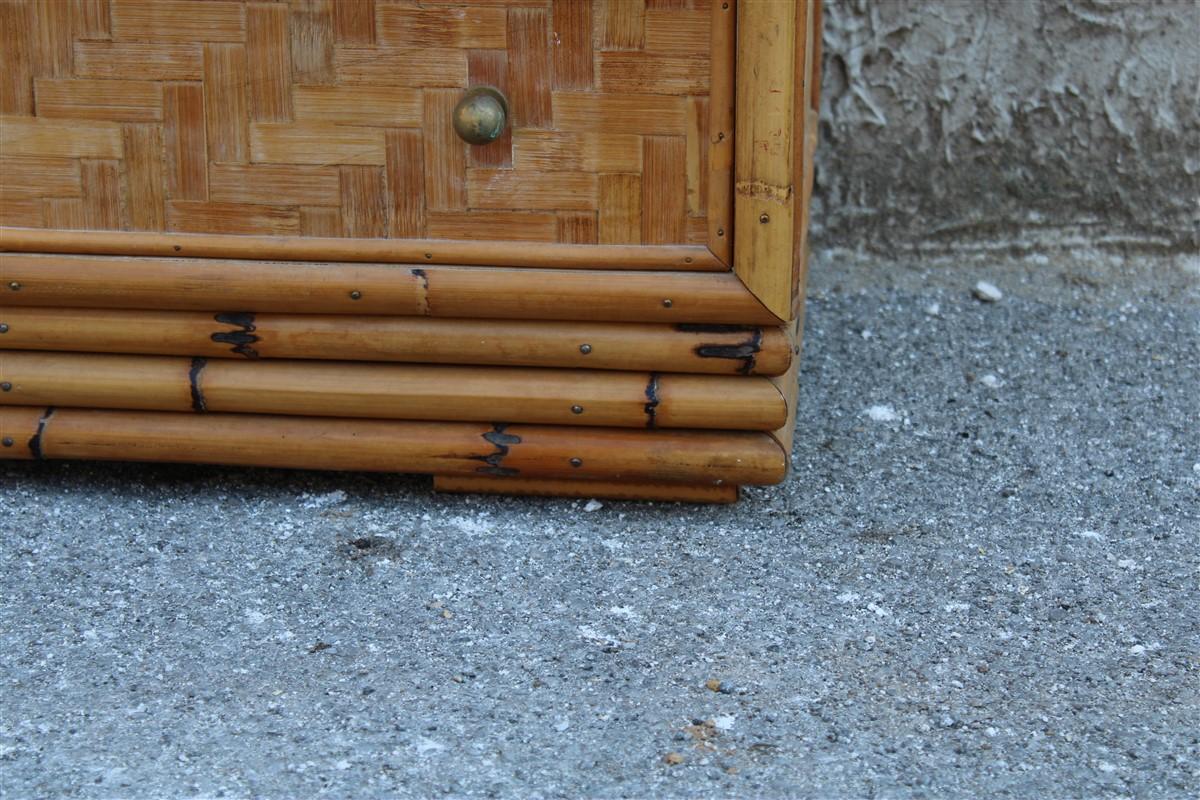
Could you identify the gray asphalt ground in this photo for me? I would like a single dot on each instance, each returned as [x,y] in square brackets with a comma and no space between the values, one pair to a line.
[986,586]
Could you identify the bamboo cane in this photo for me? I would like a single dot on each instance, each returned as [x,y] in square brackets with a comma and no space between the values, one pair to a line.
[692,258]
[439,448]
[412,392]
[468,292]
[729,350]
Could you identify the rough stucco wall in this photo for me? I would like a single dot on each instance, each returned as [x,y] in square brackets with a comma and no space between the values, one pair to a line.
[950,124]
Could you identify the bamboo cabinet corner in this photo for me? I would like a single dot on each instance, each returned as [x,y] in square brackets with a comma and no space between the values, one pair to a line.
[551,247]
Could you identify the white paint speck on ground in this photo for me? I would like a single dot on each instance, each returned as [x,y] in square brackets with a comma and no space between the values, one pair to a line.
[956,607]
[471,526]
[588,633]
[724,722]
[255,617]
[882,413]
[1093,535]
[933,310]
[424,745]
[593,505]
[991,381]
[324,500]
[1137,650]
[987,292]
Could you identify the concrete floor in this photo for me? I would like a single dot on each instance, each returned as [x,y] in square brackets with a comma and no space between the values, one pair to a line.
[981,580]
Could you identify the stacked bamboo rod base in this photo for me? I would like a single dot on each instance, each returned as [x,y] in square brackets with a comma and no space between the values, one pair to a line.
[250,235]
[685,400]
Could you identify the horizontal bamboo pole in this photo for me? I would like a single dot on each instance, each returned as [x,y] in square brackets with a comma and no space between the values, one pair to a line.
[728,350]
[386,251]
[435,291]
[438,448]
[391,391]
[606,490]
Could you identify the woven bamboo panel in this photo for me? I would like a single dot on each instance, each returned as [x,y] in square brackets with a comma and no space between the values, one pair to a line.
[318,118]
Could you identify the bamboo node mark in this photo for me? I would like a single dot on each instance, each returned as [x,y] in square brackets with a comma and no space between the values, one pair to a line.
[35,442]
[502,442]
[241,340]
[761,190]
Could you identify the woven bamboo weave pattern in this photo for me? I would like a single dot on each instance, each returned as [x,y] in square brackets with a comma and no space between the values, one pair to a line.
[333,118]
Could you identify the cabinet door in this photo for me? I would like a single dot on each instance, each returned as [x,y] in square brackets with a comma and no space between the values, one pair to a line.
[333,118]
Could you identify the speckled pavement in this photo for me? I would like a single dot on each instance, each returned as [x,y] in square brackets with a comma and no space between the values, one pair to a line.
[980,581]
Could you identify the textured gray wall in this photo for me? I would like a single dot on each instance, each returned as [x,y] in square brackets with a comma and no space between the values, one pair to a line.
[953,124]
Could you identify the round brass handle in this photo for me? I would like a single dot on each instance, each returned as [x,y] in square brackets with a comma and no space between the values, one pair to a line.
[481,116]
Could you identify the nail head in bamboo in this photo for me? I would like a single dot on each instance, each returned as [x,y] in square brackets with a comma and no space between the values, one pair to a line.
[412,392]
[438,448]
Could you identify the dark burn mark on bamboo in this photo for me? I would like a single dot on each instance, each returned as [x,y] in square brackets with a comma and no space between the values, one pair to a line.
[198,404]
[502,441]
[35,443]
[652,401]
[243,319]
[746,352]
[423,277]
[241,340]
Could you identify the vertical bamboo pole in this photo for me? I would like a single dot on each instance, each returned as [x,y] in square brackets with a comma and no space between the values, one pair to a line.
[773,38]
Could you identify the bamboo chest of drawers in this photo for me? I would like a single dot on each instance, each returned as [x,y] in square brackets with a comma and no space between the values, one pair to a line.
[524,246]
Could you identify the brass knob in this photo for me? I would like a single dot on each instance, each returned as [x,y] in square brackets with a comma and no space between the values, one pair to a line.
[481,116]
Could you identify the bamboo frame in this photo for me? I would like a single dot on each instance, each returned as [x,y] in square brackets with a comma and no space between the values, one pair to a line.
[214,300]
[705,349]
[723,45]
[776,43]
[439,448]
[777,50]
[375,391]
